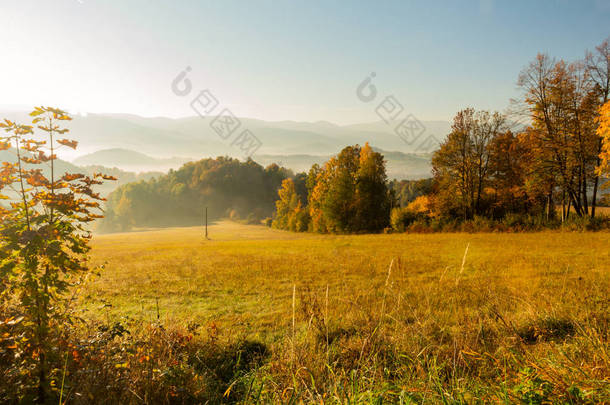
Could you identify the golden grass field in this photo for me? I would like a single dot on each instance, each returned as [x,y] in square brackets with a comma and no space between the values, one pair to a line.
[420,317]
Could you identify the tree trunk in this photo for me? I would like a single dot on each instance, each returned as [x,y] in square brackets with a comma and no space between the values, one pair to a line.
[596,181]
[594,196]
[585,206]
[42,361]
[563,206]
[42,380]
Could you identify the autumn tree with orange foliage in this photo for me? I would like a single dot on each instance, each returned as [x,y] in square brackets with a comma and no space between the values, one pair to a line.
[597,65]
[513,189]
[43,246]
[603,130]
[562,101]
[290,213]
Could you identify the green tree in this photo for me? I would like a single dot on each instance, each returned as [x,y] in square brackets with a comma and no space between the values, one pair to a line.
[350,193]
[407,191]
[285,205]
[373,201]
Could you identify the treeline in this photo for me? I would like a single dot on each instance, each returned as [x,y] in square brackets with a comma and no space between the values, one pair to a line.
[483,169]
[488,174]
[228,187]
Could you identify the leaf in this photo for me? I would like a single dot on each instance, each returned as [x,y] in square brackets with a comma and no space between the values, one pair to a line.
[72,176]
[14,321]
[31,161]
[68,143]
[9,122]
[37,111]
[104,176]
[43,157]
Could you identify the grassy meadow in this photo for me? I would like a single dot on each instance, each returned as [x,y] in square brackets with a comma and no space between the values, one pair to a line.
[263,315]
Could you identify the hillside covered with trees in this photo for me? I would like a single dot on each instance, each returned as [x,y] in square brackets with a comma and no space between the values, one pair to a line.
[226,186]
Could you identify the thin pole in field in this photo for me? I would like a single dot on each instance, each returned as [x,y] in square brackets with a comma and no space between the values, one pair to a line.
[206,222]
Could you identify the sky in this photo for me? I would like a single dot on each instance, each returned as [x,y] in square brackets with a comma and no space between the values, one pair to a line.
[283,60]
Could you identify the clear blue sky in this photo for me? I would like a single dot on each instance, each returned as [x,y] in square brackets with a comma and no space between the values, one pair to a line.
[275,60]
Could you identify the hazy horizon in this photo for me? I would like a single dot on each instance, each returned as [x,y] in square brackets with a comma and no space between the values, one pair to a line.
[27,108]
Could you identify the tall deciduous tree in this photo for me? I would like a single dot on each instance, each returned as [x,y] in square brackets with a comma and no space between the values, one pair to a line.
[461,165]
[372,193]
[561,105]
[507,169]
[597,65]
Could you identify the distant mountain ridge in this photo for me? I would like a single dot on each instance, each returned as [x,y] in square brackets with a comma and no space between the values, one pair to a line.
[192,137]
[135,143]
[399,165]
[129,160]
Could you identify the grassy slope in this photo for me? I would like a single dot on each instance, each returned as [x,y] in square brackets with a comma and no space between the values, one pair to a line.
[249,271]
[519,299]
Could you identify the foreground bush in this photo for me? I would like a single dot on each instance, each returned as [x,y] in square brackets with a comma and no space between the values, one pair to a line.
[131,362]
[44,245]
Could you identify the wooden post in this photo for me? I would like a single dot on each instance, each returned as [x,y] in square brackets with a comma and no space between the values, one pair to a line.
[206,222]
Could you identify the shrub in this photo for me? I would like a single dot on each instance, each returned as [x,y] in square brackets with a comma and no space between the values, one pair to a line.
[576,223]
[251,219]
[401,218]
[123,361]
[513,222]
[421,205]
[420,225]
[44,247]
